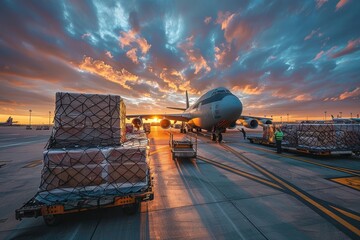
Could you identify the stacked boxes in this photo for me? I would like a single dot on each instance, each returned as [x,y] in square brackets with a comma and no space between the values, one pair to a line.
[87,154]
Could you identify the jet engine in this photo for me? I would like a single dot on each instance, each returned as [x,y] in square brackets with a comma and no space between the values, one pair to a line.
[232,125]
[264,121]
[165,123]
[250,123]
[137,122]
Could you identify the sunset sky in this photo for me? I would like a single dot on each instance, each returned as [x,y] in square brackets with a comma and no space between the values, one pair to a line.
[279,57]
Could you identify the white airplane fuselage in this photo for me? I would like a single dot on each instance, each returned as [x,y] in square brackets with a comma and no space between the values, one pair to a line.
[218,108]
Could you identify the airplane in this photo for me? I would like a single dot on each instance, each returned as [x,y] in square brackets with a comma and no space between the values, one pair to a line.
[9,122]
[215,111]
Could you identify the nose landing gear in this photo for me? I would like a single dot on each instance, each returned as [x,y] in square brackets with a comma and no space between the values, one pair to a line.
[217,135]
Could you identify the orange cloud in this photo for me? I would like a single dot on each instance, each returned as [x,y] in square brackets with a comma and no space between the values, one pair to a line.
[234,30]
[220,55]
[107,72]
[172,77]
[132,55]
[303,97]
[128,38]
[108,53]
[224,19]
[194,56]
[340,4]
[354,93]
[248,89]
[352,46]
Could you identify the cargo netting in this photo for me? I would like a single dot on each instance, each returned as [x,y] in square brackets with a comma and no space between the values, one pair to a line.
[86,157]
[322,137]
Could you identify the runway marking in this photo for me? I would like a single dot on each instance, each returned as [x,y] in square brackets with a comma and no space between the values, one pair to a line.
[22,143]
[301,195]
[340,169]
[241,173]
[348,214]
[33,164]
[353,182]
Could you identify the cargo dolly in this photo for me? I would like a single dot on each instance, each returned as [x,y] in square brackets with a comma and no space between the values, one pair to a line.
[51,212]
[183,148]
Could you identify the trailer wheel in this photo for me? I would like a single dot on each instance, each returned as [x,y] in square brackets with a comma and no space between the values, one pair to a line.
[131,209]
[51,220]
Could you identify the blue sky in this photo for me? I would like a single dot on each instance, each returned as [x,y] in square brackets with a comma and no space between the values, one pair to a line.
[279,57]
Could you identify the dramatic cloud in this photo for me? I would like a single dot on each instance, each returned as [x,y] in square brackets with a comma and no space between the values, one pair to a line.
[296,57]
[106,71]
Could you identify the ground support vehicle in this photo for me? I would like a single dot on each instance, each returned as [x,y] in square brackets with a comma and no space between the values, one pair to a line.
[52,212]
[185,148]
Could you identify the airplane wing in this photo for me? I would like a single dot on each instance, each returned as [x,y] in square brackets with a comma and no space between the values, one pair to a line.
[176,117]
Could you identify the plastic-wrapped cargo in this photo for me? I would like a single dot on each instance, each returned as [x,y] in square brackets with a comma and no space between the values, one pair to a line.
[322,137]
[87,156]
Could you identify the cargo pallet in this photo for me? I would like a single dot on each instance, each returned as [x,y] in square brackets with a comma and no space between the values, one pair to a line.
[51,212]
[315,152]
[183,148]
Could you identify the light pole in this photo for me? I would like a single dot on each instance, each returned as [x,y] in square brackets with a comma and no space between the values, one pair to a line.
[325,115]
[287,117]
[351,115]
[30,117]
[281,119]
[340,115]
[49,117]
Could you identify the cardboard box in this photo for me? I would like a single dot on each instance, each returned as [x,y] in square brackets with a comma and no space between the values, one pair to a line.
[71,157]
[84,137]
[127,172]
[123,155]
[77,176]
[87,104]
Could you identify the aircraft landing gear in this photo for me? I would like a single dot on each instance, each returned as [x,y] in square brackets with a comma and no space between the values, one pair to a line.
[213,137]
[220,138]
[217,136]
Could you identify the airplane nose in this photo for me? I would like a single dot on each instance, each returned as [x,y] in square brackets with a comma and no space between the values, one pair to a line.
[231,108]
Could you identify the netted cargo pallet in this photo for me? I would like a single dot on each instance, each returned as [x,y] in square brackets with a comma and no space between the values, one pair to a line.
[322,138]
[87,120]
[87,162]
[81,173]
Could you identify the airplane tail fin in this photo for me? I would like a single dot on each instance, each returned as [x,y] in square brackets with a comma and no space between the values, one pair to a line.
[187,100]
[187,104]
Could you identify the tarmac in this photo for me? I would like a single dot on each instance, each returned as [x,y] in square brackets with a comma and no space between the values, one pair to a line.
[233,190]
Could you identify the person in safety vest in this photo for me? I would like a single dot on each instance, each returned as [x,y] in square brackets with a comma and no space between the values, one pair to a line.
[278,137]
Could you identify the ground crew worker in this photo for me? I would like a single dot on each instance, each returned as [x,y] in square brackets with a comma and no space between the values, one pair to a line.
[278,137]
[243,132]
